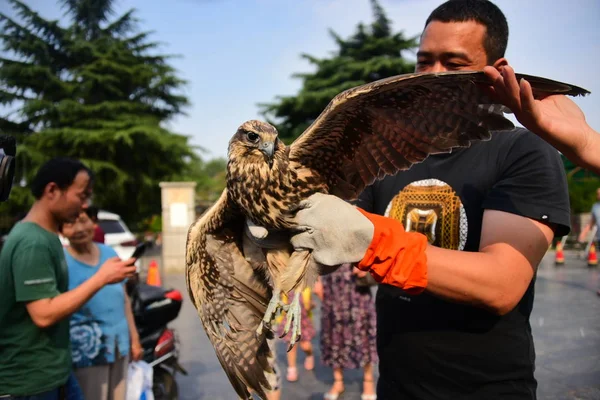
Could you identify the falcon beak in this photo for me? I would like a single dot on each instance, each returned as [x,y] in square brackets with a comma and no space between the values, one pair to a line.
[268,148]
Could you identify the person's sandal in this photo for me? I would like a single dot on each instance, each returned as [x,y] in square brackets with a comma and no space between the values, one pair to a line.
[334,396]
[368,396]
[292,374]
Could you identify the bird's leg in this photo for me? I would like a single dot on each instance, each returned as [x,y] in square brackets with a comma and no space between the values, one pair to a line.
[275,305]
[293,318]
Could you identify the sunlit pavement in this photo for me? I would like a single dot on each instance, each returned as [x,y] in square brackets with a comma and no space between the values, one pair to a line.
[565,323]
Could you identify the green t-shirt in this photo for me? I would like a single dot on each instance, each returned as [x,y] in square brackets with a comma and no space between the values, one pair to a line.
[32,267]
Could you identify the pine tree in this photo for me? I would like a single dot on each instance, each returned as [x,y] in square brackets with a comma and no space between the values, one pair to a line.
[373,52]
[97,90]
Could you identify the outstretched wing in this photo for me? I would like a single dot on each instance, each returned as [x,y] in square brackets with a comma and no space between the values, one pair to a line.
[383,127]
[231,297]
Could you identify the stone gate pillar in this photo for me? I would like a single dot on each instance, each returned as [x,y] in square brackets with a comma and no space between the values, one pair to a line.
[178,213]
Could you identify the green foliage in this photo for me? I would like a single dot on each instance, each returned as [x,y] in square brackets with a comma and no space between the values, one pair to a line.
[210,178]
[152,224]
[97,90]
[10,212]
[374,52]
[582,194]
[155,225]
[582,187]
[214,180]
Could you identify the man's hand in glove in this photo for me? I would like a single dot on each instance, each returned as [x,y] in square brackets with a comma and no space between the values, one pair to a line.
[333,229]
[338,232]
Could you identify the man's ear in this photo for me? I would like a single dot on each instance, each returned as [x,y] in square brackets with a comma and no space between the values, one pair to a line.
[52,190]
[500,63]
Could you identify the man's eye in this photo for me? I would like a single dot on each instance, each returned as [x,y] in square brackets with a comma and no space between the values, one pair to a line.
[253,137]
[452,65]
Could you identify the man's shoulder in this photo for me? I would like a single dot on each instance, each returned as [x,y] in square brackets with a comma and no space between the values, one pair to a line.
[503,152]
[27,241]
[524,149]
[500,144]
[28,234]
[517,136]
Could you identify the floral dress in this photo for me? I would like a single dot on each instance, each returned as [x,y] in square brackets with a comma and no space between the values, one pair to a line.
[348,321]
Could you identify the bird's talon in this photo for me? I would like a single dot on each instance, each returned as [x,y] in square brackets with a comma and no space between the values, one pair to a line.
[273,309]
[293,343]
[294,315]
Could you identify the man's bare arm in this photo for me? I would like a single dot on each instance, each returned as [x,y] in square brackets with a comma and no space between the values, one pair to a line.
[49,311]
[497,276]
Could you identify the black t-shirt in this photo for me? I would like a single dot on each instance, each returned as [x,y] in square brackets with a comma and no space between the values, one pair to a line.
[430,348]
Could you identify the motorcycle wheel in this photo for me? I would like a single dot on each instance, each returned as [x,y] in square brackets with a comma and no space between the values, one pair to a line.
[164,386]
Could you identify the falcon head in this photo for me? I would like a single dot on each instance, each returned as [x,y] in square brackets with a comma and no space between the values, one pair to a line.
[254,141]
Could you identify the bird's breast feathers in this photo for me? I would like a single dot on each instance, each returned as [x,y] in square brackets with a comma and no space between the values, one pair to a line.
[268,195]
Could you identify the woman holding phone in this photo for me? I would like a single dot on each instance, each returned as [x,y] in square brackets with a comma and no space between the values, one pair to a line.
[103,333]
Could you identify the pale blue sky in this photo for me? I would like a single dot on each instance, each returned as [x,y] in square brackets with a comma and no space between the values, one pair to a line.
[237,53]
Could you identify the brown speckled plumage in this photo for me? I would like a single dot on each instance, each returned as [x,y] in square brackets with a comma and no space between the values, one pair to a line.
[364,134]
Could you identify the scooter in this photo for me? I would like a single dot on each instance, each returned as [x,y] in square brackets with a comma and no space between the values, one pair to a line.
[153,308]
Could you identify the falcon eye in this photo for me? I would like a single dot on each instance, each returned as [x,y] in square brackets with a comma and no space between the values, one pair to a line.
[253,137]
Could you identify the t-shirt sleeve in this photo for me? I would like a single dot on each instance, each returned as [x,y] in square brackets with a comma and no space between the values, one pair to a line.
[34,273]
[532,183]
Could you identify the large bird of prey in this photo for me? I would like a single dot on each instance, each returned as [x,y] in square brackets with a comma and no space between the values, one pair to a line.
[364,134]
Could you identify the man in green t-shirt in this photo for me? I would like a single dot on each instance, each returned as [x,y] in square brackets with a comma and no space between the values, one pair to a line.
[35,354]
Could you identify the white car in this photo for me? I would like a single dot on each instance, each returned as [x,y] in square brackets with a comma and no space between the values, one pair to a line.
[116,234]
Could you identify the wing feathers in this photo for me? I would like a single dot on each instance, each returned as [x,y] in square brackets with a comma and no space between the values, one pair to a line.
[371,165]
[385,126]
[231,297]
[382,159]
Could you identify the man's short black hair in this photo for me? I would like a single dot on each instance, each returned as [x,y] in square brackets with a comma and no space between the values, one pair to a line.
[482,11]
[61,171]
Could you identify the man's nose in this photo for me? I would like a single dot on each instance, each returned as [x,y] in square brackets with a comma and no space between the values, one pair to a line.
[432,68]
[437,67]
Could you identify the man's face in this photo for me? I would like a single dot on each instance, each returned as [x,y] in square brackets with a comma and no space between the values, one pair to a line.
[66,205]
[452,46]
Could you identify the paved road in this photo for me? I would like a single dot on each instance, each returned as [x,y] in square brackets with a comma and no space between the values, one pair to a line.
[565,323]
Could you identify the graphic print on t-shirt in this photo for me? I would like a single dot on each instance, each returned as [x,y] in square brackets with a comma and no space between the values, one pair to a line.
[431,207]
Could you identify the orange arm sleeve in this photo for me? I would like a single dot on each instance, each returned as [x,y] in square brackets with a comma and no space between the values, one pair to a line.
[396,257]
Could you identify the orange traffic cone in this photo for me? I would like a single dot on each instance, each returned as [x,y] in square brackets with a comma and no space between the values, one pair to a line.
[559,258]
[592,257]
[153,277]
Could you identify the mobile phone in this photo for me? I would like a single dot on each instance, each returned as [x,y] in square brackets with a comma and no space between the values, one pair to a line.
[139,250]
